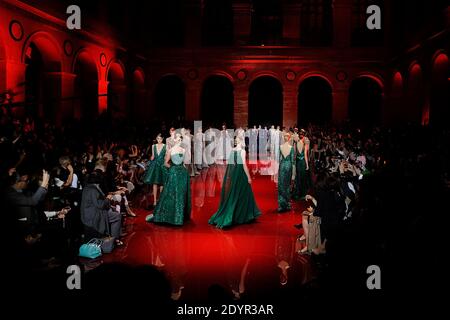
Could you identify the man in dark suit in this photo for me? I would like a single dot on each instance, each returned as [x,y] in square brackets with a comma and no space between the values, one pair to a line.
[25,206]
[96,213]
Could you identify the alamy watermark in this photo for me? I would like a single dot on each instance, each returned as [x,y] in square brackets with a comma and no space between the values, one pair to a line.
[74,279]
[74,20]
[373,22]
[373,282]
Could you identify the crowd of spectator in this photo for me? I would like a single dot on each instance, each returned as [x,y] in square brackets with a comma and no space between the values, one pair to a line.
[374,189]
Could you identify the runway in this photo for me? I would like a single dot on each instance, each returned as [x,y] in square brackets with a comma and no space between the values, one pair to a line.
[254,258]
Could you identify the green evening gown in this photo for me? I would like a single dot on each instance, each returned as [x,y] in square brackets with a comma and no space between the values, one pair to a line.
[237,203]
[156,172]
[284,180]
[302,179]
[174,205]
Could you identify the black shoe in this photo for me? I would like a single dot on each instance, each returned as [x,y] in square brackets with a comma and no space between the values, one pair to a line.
[298,226]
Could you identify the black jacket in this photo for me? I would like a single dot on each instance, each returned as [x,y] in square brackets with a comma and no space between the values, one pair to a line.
[94,208]
[25,206]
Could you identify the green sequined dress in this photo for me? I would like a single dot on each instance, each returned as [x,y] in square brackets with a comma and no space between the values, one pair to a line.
[284,180]
[237,202]
[156,172]
[174,205]
[302,178]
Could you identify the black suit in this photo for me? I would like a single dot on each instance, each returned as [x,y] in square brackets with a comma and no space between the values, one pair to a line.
[96,212]
[25,207]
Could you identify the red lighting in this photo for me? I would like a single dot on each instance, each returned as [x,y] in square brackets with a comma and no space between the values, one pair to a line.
[29,52]
[181,252]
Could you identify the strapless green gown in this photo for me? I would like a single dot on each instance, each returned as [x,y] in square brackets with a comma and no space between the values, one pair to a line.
[237,203]
[174,205]
[284,180]
[156,172]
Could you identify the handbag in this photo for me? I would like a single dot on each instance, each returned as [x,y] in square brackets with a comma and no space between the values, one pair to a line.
[107,245]
[92,249]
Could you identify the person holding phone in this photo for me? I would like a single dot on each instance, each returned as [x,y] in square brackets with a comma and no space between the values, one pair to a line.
[25,206]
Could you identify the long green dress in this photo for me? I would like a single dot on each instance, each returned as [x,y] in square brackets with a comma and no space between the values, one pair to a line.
[284,180]
[237,203]
[302,179]
[156,173]
[174,205]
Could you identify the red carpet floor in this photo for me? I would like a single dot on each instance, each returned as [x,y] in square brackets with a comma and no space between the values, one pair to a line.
[198,255]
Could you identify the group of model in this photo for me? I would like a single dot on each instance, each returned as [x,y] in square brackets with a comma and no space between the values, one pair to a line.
[170,169]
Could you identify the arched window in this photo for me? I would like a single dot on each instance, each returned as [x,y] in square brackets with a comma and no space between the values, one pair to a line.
[42,79]
[217,101]
[415,95]
[315,102]
[170,100]
[365,99]
[117,90]
[265,102]
[440,91]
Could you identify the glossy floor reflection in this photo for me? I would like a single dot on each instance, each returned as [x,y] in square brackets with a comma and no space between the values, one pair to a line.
[252,258]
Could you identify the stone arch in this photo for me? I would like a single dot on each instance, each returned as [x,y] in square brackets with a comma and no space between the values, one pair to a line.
[265,103]
[43,84]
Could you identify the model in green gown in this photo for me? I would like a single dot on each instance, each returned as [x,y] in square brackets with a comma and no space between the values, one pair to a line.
[302,178]
[174,205]
[156,173]
[237,203]
[284,180]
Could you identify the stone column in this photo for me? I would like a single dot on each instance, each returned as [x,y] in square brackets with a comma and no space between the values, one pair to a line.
[67,94]
[193,90]
[241,104]
[340,104]
[290,104]
[60,86]
[102,96]
[119,96]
